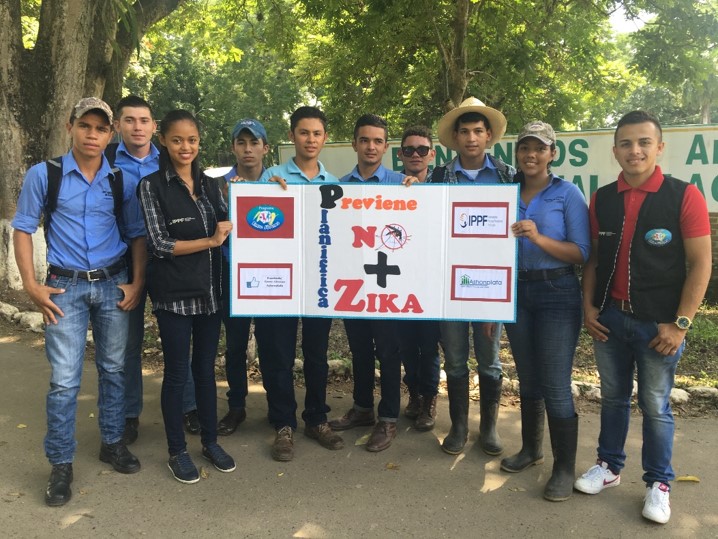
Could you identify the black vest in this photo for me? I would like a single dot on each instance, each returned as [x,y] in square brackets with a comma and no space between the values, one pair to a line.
[657,262]
[186,276]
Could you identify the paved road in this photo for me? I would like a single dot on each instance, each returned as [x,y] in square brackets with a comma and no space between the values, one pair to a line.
[412,489]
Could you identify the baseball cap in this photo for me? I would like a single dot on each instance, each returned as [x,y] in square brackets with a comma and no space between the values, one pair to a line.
[86,104]
[538,130]
[251,125]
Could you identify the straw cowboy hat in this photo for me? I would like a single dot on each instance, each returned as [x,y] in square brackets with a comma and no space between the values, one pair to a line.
[471,104]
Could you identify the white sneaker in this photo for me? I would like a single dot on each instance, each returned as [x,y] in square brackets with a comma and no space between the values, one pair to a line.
[596,479]
[656,504]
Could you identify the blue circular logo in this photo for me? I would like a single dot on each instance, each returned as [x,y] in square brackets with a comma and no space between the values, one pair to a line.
[658,237]
[265,218]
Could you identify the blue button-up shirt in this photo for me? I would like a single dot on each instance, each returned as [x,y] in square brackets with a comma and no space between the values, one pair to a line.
[134,169]
[381,175]
[561,213]
[291,173]
[84,232]
[486,174]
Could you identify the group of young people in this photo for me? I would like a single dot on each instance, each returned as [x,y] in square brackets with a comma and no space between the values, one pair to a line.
[129,218]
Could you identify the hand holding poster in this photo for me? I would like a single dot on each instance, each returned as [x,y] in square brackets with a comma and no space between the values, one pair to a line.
[374,251]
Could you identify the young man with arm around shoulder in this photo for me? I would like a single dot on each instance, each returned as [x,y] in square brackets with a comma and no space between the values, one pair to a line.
[87,282]
[470,129]
[646,276]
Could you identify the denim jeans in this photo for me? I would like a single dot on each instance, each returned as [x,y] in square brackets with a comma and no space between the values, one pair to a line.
[543,341]
[84,302]
[419,340]
[625,351]
[133,365]
[176,332]
[455,342]
[277,340]
[363,335]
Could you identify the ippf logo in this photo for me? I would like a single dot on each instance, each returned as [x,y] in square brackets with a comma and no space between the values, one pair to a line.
[469,220]
[265,217]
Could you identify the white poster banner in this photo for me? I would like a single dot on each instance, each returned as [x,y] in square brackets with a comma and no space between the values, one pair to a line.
[374,251]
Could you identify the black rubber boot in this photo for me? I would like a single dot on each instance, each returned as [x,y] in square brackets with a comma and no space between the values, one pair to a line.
[489,395]
[532,422]
[459,412]
[564,437]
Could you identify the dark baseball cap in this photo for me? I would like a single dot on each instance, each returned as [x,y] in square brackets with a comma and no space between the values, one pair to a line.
[253,126]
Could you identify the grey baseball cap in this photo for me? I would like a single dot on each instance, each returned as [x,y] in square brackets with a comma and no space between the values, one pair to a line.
[538,130]
[86,104]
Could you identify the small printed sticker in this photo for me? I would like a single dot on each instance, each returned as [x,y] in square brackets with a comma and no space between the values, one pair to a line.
[265,217]
[658,237]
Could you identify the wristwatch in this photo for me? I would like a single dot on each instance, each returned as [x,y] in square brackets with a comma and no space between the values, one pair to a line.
[683,322]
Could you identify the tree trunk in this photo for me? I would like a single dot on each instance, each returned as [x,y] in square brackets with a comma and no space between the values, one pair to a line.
[454,56]
[74,56]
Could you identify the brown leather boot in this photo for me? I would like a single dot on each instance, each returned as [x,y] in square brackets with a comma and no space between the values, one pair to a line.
[381,437]
[413,408]
[427,414]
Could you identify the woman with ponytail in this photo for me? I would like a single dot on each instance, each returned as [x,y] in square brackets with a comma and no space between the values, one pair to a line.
[186,219]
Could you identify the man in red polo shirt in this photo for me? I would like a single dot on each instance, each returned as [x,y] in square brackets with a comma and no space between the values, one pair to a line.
[645,279]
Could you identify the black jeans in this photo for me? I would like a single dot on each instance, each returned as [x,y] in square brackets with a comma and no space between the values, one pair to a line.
[276,340]
[363,336]
[176,331]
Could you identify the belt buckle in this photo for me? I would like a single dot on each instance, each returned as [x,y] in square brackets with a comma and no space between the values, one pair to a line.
[90,279]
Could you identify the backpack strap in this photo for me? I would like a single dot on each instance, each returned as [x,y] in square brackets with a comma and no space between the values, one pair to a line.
[111,153]
[54,177]
[118,187]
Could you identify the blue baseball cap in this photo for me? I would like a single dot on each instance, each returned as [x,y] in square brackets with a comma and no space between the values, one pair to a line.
[253,126]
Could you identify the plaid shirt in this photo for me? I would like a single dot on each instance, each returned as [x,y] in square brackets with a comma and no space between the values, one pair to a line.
[162,245]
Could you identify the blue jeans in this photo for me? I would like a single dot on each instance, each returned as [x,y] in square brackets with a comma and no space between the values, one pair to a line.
[543,341]
[133,365]
[455,342]
[363,335]
[176,332]
[419,340]
[625,351]
[84,302]
[277,340]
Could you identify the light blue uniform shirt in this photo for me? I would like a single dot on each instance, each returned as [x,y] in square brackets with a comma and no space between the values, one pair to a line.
[84,233]
[133,169]
[291,173]
[381,175]
[486,174]
[561,213]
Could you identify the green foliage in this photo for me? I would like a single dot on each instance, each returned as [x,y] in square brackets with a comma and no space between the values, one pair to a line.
[678,48]
[221,60]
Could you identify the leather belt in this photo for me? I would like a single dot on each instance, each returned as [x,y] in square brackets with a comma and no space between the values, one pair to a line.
[544,275]
[101,274]
[622,305]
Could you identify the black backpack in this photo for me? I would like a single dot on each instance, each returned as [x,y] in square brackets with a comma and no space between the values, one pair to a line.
[54,177]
